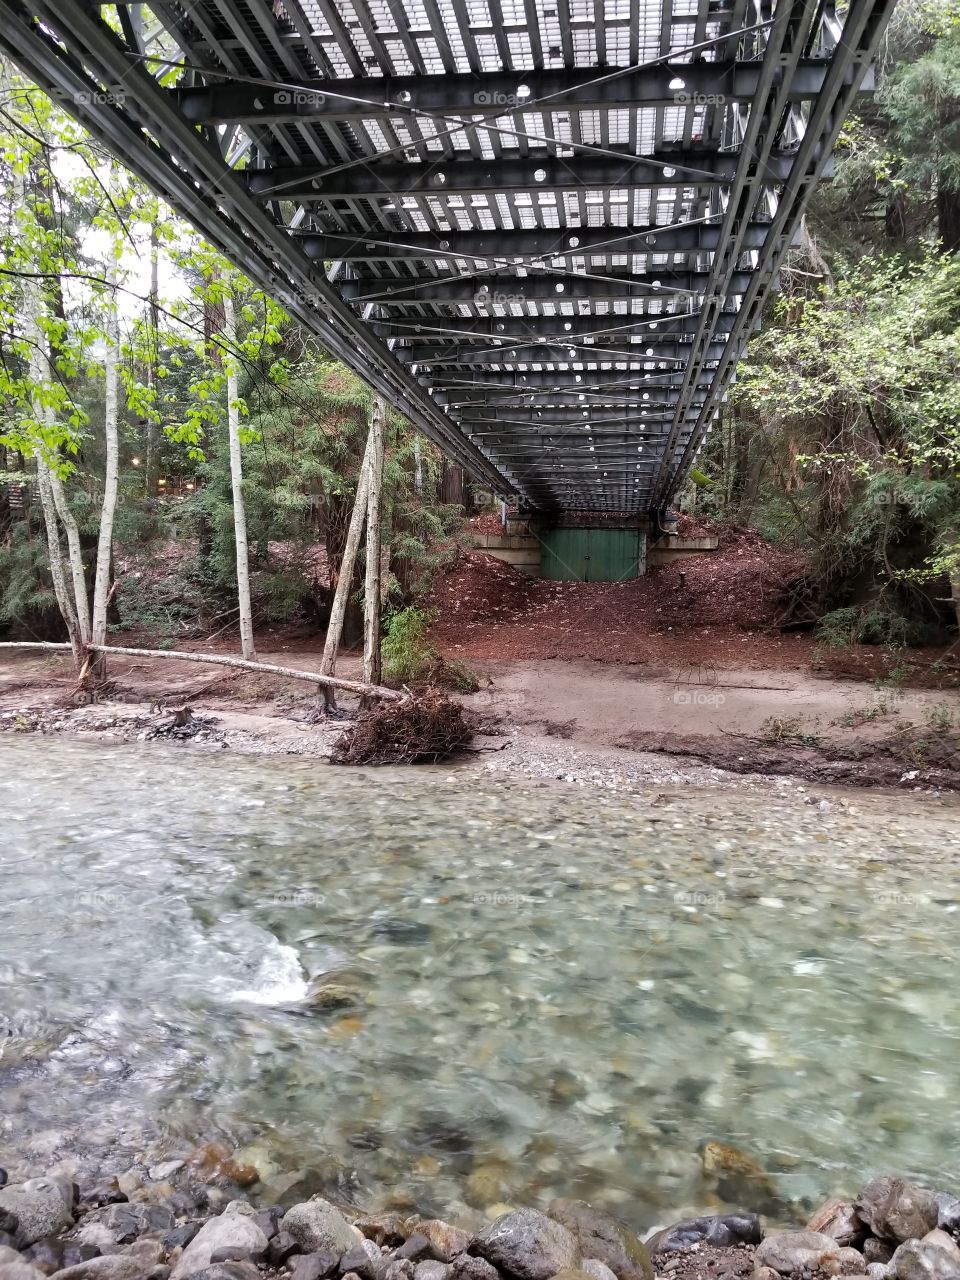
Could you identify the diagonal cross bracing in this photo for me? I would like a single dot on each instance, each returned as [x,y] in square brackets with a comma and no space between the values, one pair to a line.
[545,230]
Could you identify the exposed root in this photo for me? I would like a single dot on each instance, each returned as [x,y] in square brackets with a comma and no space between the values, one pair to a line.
[423,729]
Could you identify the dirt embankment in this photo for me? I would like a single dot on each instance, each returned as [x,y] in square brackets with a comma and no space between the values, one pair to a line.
[714,607]
[680,674]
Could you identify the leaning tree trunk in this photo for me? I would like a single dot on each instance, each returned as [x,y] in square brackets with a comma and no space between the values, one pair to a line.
[101,587]
[247,647]
[371,588]
[328,663]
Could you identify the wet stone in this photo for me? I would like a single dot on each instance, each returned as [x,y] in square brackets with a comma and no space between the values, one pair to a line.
[433,1270]
[720,1231]
[131,1264]
[597,1269]
[852,1262]
[839,1219]
[600,1235]
[927,1259]
[20,1271]
[789,1251]
[467,1267]
[282,1246]
[313,1266]
[384,1228]
[229,1271]
[126,1222]
[268,1220]
[415,1248]
[445,1240]
[180,1236]
[528,1245]
[317,1224]
[948,1212]
[364,1260]
[895,1209]
[235,1228]
[40,1208]
[875,1250]
[400,1269]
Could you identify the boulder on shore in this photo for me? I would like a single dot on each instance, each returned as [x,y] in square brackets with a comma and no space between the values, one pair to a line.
[41,1207]
[602,1236]
[529,1245]
[789,1251]
[895,1209]
[318,1224]
[235,1231]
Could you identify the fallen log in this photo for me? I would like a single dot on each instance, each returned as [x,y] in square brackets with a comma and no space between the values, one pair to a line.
[222,660]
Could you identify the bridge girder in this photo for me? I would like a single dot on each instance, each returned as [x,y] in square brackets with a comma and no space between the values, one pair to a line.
[455,217]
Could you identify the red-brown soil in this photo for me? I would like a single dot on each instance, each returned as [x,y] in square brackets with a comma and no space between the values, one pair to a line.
[718,607]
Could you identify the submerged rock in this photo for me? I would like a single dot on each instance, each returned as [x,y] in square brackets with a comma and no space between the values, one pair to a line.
[529,1245]
[602,1236]
[738,1177]
[719,1231]
[895,1209]
[789,1251]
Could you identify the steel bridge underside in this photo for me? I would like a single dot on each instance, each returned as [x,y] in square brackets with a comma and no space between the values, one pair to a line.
[543,229]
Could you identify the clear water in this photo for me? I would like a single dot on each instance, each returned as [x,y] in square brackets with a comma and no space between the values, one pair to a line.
[543,990]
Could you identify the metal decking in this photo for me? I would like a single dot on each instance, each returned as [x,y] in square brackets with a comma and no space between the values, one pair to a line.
[544,229]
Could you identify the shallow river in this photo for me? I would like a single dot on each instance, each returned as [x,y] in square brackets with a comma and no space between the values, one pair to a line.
[469,990]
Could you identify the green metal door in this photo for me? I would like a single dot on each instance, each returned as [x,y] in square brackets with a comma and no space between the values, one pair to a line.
[592,555]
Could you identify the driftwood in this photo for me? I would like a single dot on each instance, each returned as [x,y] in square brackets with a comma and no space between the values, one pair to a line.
[222,660]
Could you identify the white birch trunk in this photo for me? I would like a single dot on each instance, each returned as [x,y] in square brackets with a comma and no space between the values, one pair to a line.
[101,588]
[371,586]
[247,647]
[328,663]
[55,556]
[74,552]
[41,373]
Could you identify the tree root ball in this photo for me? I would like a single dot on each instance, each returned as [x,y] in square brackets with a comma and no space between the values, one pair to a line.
[421,729]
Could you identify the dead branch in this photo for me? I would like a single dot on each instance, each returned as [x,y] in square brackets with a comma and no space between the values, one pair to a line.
[222,660]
